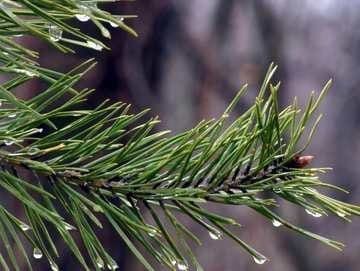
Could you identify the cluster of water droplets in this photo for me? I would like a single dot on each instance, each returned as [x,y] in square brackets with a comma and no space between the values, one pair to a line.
[83,15]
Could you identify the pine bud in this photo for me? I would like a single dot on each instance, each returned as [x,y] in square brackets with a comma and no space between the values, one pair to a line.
[300,161]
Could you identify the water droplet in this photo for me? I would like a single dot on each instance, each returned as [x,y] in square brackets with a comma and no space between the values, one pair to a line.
[100,262]
[94,45]
[113,24]
[106,33]
[69,227]
[276,223]
[112,266]
[260,259]
[54,266]
[8,142]
[341,214]
[236,191]
[182,266]
[98,209]
[55,32]
[29,73]
[37,254]
[120,18]
[39,130]
[152,233]
[12,115]
[313,213]
[24,227]
[173,262]
[0,103]
[82,16]
[18,35]
[215,235]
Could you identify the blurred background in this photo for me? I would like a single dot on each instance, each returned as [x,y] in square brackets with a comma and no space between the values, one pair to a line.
[188,62]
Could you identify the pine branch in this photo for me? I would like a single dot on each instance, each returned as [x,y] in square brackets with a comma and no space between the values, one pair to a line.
[67,167]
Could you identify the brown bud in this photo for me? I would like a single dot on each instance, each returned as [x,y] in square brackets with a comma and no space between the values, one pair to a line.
[302,161]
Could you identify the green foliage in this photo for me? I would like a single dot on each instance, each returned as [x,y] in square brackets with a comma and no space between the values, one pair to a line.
[70,168]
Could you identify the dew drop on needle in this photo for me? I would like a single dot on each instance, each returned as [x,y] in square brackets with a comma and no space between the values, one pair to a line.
[215,235]
[55,33]
[276,223]
[260,259]
[313,213]
[37,254]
